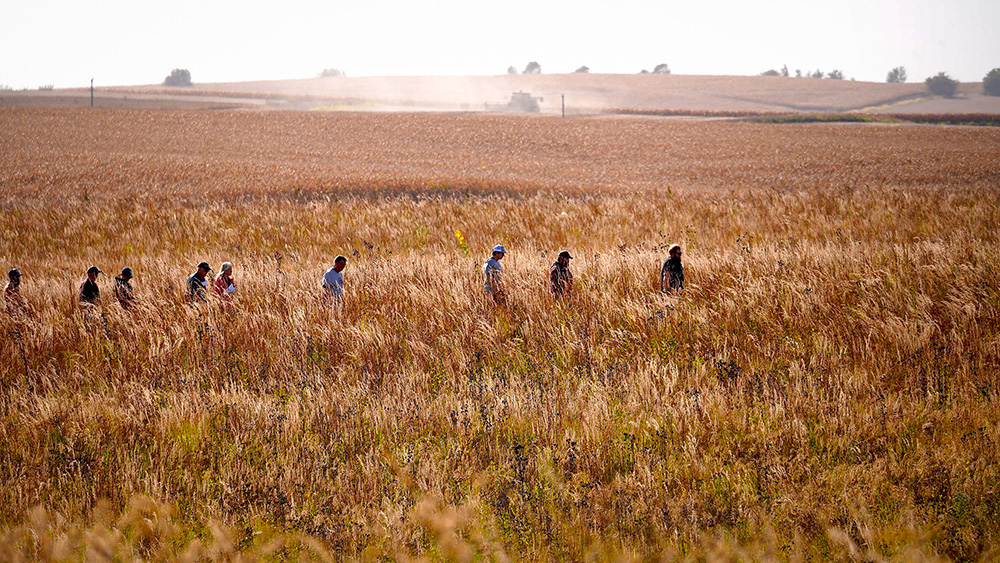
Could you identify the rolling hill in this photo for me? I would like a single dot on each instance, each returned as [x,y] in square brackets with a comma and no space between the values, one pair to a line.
[583,93]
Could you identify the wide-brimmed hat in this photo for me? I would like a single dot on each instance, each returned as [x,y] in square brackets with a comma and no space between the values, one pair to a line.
[499,248]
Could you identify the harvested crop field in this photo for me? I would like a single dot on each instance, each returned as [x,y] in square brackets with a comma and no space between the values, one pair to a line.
[583,94]
[825,387]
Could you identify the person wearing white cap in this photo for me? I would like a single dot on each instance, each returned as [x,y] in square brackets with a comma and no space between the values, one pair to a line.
[492,270]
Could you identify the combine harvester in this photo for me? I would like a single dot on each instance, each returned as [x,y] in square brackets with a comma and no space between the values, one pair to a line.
[521,102]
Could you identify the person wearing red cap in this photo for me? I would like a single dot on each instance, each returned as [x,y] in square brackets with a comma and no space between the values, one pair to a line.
[89,292]
[560,277]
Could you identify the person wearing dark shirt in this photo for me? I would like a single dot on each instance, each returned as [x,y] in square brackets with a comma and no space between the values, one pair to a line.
[123,288]
[197,284]
[12,293]
[672,272]
[89,292]
[560,277]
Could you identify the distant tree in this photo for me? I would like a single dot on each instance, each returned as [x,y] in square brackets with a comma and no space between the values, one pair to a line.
[47,87]
[835,75]
[533,68]
[896,75]
[991,83]
[798,73]
[511,70]
[331,72]
[643,71]
[661,68]
[583,69]
[817,74]
[771,72]
[784,71]
[178,77]
[942,85]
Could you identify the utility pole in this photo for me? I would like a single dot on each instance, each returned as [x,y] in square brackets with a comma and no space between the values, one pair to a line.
[564,104]
[91,92]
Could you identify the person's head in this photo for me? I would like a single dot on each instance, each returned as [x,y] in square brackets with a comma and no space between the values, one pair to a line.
[126,273]
[14,276]
[204,269]
[92,273]
[339,263]
[675,251]
[564,258]
[227,269]
[499,252]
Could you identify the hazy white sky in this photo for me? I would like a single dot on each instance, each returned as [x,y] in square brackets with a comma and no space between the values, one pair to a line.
[118,42]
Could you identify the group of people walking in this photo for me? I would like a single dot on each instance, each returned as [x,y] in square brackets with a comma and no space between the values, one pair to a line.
[561,279]
[224,286]
[197,285]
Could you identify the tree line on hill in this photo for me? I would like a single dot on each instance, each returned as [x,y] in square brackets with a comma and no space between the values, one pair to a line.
[940,84]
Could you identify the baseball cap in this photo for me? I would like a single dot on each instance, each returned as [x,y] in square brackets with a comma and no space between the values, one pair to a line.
[94,270]
[127,272]
[565,254]
[499,248]
[205,266]
[13,272]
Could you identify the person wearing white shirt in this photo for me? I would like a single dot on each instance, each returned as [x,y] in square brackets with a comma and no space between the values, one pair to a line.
[491,274]
[333,280]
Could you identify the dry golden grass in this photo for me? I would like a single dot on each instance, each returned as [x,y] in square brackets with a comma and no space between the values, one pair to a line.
[826,387]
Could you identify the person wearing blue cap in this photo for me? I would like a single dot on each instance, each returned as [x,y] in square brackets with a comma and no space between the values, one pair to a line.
[123,288]
[492,270]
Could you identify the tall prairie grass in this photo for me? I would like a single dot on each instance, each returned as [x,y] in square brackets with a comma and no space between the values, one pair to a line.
[826,387]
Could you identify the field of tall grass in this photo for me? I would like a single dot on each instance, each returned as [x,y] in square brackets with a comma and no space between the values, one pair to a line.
[825,388]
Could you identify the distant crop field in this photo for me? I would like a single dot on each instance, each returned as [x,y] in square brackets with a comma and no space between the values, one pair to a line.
[599,91]
[826,386]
